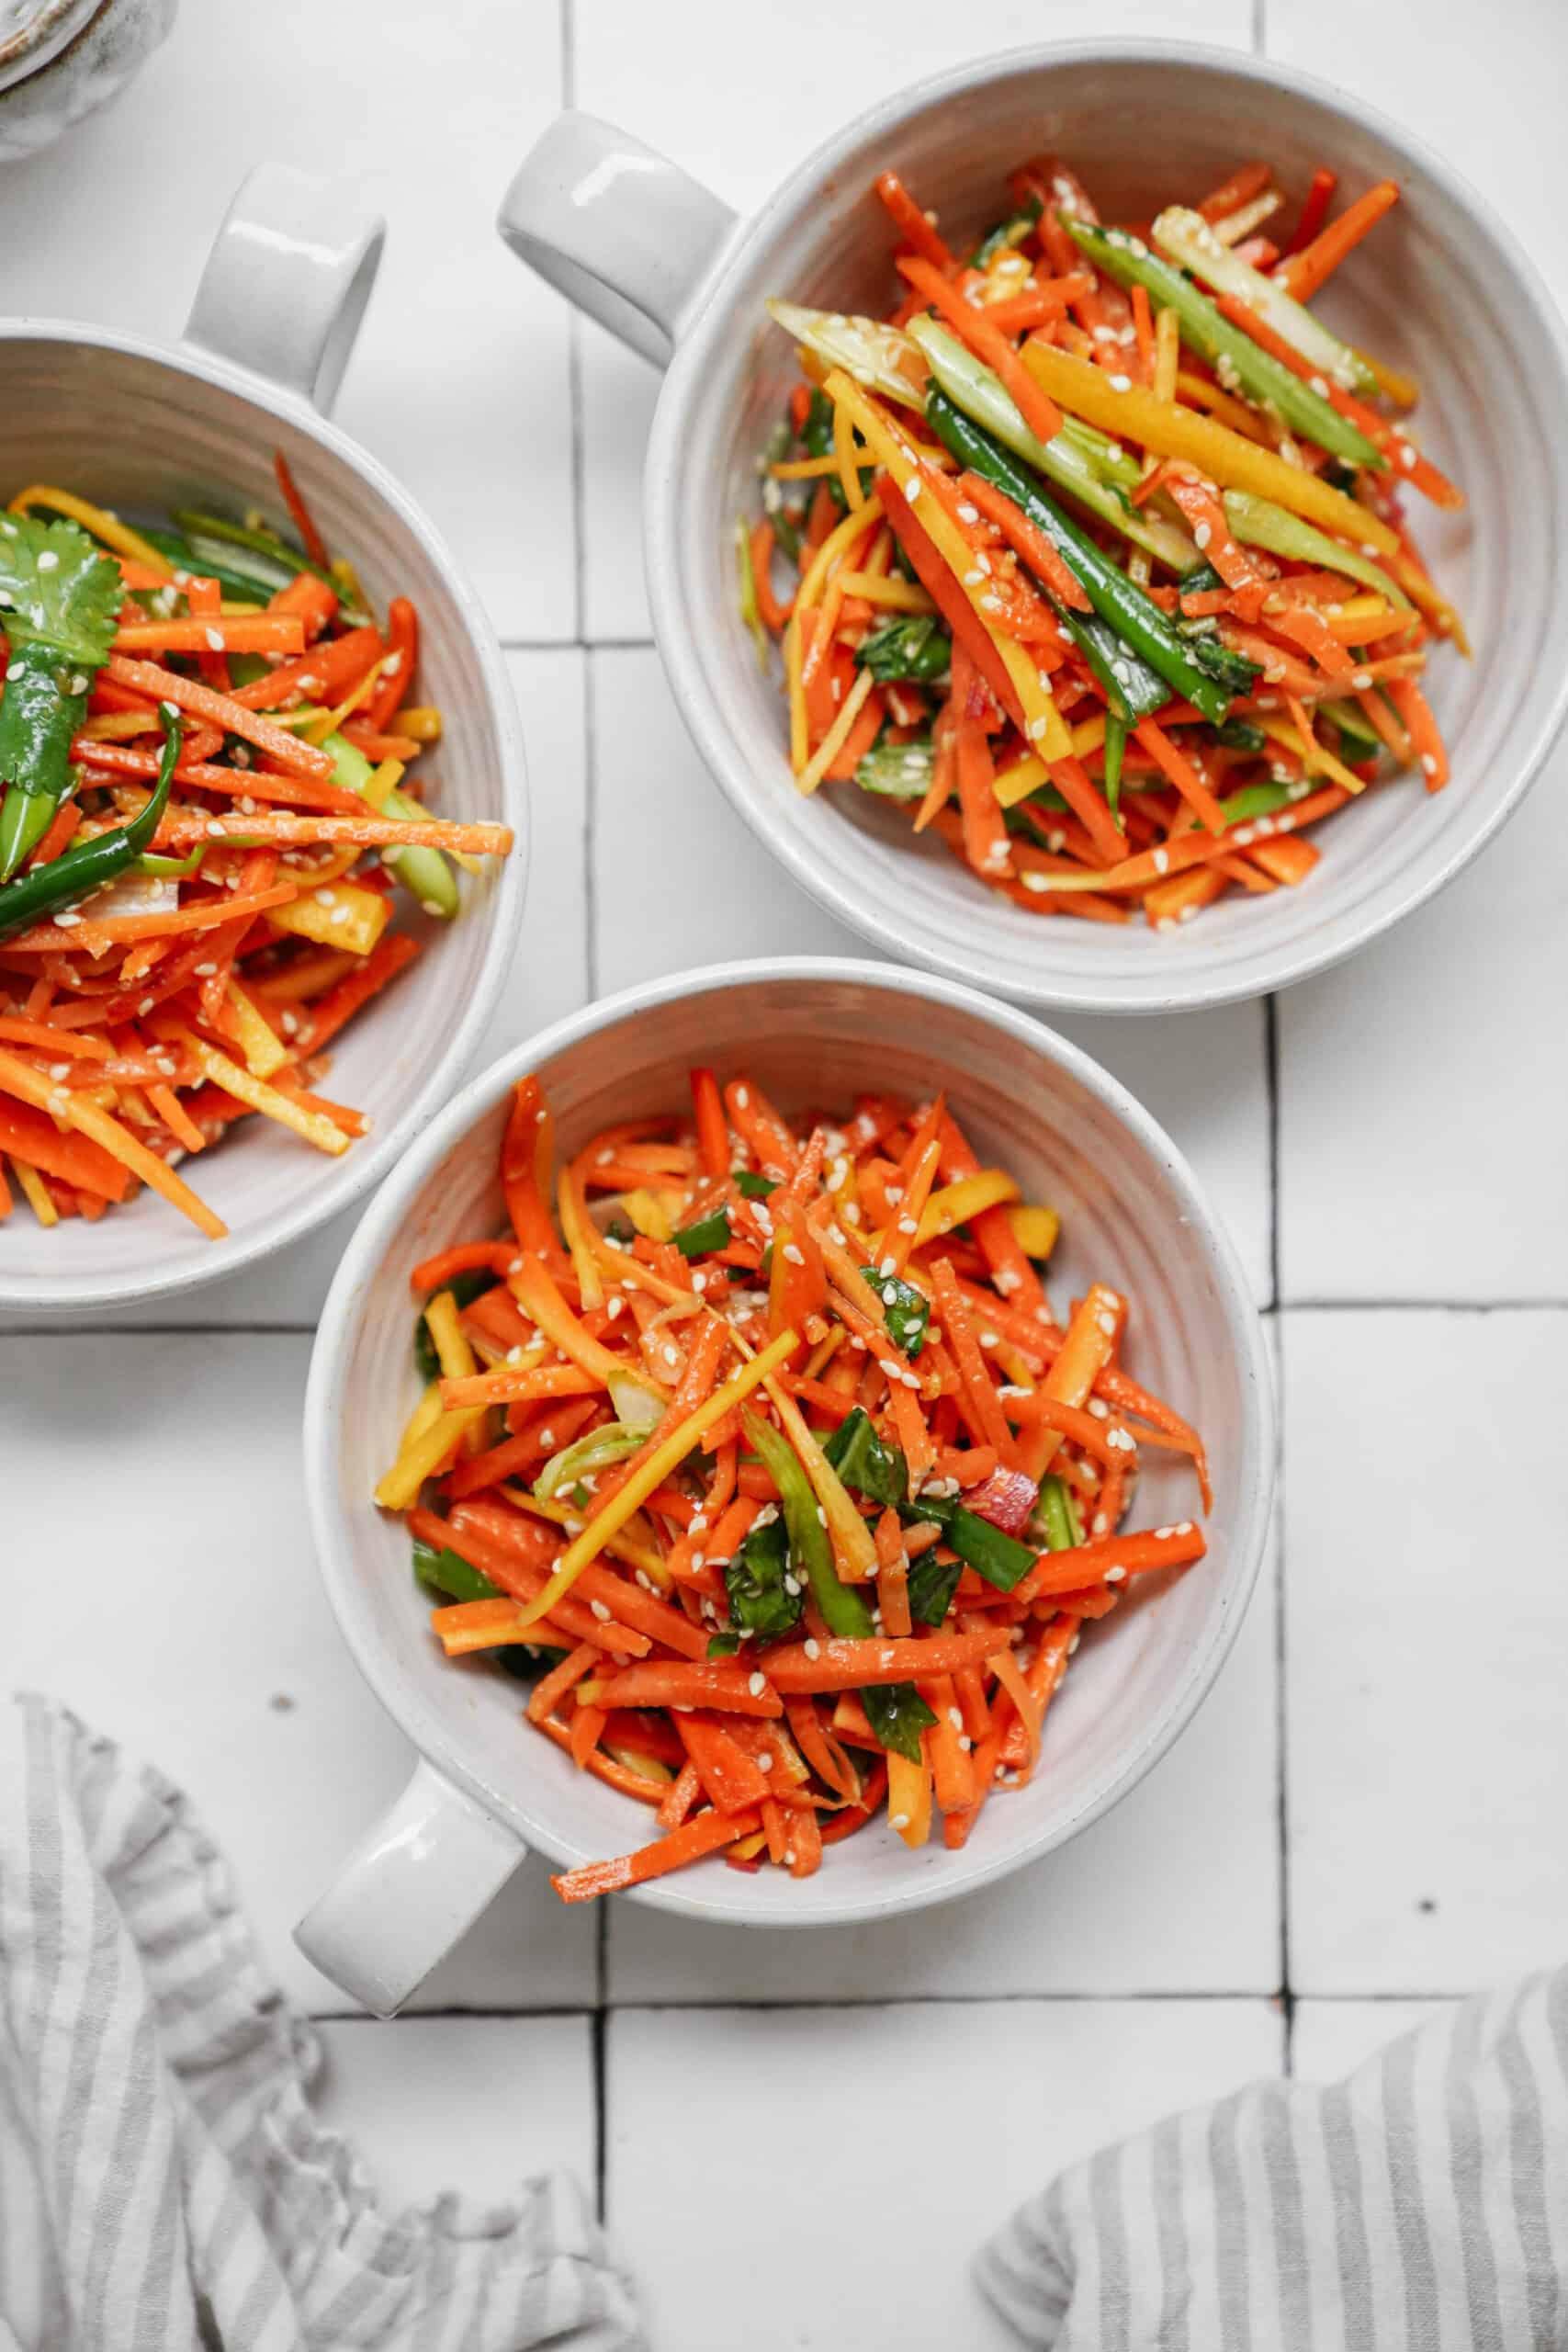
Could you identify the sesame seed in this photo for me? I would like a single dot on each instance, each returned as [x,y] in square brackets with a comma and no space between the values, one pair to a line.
[756,1684]
[897,1821]
[813,1648]
[765,1761]
[1117,1575]
[1121,383]
[600,1610]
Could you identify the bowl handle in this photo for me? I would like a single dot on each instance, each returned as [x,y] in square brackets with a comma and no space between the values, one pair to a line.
[627,237]
[287,281]
[408,1891]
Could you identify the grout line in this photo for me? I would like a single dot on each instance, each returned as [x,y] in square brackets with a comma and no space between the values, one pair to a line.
[1271,1095]
[599,2018]
[76,1327]
[600,2046]
[590,831]
[582,641]
[1281,1722]
[79,1327]
[1422,1305]
[574,362]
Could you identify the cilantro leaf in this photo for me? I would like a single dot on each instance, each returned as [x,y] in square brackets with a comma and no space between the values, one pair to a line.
[908,1310]
[58,590]
[759,1599]
[897,1714]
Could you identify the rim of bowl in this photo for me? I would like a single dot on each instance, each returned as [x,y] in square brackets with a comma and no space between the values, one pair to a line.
[359,1169]
[677,626]
[332,1357]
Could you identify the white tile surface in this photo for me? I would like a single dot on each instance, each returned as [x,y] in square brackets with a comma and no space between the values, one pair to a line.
[678,878]
[803,68]
[474,2104]
[191,1623]
[802,2134]
[1427,1617]
[1329,2039]
[462,361]
[1432,1039]
[1414,1076]
[1177,1891]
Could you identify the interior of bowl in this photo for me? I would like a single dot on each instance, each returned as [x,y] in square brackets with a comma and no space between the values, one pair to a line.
[1438,290]
[1129,1216]
[134,434]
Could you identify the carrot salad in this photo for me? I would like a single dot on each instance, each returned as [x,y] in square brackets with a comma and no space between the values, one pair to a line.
[204,820]
[756,1443]
[1096,546]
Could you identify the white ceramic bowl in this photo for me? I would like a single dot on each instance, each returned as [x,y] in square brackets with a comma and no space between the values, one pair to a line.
[142,429]
[1442,290]
[812,1032]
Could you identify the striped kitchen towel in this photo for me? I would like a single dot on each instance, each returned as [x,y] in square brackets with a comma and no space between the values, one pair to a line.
[164,2186]
[1422,2203]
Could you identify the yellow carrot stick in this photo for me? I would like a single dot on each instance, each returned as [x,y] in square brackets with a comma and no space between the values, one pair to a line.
[70,1110]
[650,1475]
[312,1127]
[98,521]
[874,588]
[1137,416]
[1042,719]
[620,1547]
[833,742]
[956,1203]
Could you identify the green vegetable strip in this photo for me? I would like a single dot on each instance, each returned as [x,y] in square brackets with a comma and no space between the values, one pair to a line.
[1187,239]
[708,1233]
[999,1558]
[1058,1514]
[912,647]
[424,873]
[291,560]
[1118,602]
[450,1578]
[1233,354]
[1131,689]
[1260,524]
[843,1612]
[897,770]
[1115,745]
[86,866]
[1254,800]
[1073,459]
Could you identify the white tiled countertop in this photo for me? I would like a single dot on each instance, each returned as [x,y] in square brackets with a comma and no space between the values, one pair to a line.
[1367,1816]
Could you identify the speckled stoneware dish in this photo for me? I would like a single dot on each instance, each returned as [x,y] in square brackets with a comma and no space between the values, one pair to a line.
[143,429]
[62,59]
[487,1787]
[1442,291]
